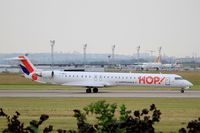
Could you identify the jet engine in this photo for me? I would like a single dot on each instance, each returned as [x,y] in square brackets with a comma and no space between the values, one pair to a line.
[46,74]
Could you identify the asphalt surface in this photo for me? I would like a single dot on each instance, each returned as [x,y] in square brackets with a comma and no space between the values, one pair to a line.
[102,93]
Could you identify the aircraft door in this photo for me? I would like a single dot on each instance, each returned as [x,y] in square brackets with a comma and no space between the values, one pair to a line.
[134,80]
[95,77]
[100,78]
[167,81]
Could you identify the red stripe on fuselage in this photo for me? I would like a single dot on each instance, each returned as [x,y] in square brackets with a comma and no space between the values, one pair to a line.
[26,64]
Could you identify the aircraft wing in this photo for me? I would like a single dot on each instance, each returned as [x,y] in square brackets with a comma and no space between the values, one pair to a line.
[87,83]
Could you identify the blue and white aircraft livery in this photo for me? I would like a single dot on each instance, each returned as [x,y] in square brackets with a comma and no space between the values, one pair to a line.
[94,80]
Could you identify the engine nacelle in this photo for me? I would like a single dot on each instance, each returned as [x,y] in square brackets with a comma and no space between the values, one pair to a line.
[46,74]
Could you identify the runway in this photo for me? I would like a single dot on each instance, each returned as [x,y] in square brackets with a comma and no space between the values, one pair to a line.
[102,93]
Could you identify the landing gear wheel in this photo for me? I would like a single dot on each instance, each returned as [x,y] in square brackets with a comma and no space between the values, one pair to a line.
[182,90]
[95,90]
[88,90]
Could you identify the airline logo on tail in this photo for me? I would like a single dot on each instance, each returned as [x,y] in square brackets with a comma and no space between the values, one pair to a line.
[27,67]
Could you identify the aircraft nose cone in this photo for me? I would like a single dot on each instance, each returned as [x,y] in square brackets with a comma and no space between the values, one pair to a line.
[189,84]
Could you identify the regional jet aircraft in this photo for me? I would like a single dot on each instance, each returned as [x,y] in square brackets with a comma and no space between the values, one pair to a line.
[94,80]
[152,65]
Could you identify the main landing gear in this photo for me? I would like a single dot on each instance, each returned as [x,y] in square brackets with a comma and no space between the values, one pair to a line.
[89,90]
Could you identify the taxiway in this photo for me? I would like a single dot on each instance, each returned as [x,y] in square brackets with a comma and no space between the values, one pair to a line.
[102,93]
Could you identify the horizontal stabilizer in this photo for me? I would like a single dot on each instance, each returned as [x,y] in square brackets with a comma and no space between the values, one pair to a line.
[16,58]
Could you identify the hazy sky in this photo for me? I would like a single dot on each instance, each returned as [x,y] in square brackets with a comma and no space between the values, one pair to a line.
[28,25]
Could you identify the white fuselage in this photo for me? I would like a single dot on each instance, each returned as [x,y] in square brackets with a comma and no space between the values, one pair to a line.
[147,66]
[102,79]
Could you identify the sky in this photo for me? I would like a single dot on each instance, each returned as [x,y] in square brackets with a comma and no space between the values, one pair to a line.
[27,26]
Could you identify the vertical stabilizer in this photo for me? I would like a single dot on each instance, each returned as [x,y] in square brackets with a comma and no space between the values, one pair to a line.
[27,67]
[157,60]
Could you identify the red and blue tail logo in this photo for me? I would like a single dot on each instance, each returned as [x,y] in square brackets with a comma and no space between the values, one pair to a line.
[27,68]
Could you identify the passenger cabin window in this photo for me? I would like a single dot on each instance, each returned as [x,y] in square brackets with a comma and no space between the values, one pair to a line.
[178,78]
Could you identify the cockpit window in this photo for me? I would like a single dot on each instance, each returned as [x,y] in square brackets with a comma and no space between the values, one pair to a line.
[178,78]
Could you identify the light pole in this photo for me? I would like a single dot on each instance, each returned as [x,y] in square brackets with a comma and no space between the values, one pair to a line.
[84,53]
[138,53]
[52,43]
[113,53]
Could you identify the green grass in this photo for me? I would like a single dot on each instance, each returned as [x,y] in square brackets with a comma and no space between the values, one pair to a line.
[176,113]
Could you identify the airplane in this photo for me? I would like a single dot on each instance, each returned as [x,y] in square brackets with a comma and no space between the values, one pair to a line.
[156,65]
[94,80]
[172,66]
